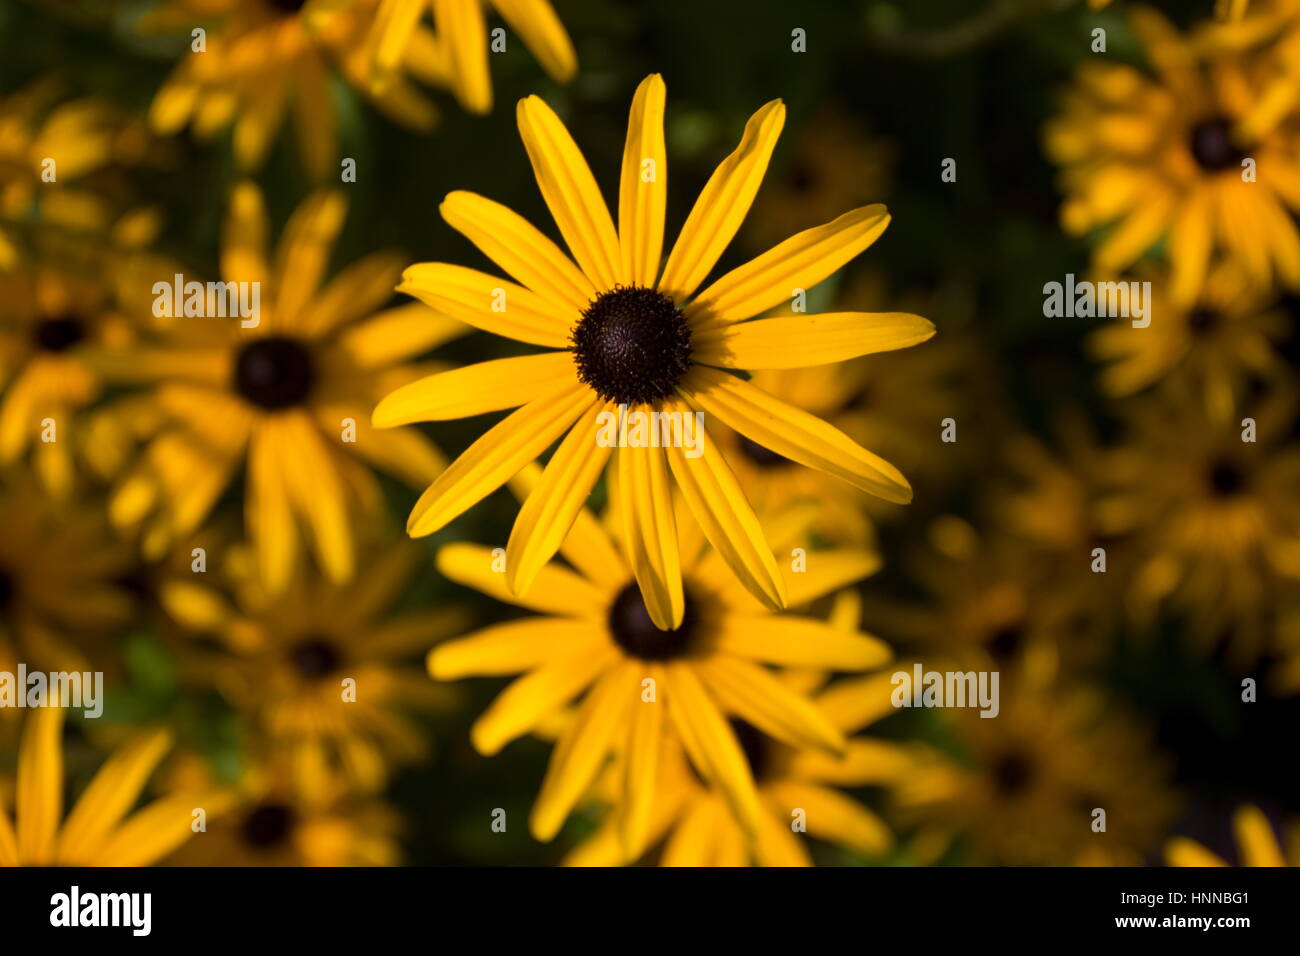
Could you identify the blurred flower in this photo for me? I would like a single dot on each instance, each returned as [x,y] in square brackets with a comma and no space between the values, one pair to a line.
[270,822]
[597,641]
[1270,34]
[1161,157]
[461,46]
[59,602]
[267,57]
[1257,844]
[623,342]
[1214,521]
[94,833]
[327,677]
[283,397]
[1222,341]
[1026,785]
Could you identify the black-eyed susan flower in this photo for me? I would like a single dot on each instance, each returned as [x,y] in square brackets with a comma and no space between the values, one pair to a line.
[637,684]
[329,681]
[1257,844]
[1213,520]
[264,60]
[97,831]
[48,551]
[1221,344]
[628,339]
[270,821]
[1164,156]
[1025,788]
[461,45]
[283,394]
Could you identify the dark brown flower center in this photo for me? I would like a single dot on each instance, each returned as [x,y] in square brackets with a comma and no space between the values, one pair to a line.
[1226,478]
[632,345]
[1213,147]
[58,333]
[1202,320]
[315,657]
[1006,642]
[1013,773]
[7,590]
[761,455]
[274,373]
[288,6]
[268,825]
[634,631]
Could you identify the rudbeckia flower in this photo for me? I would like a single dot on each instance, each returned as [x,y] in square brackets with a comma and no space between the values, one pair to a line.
[97,832]
[1024,788]
[1257,844]
[637,683]
[285,397]
[326,678]
[1219,346]
[462,41]
[264,59]
[695,826]
[1163,156]
[49,551]
[627,337]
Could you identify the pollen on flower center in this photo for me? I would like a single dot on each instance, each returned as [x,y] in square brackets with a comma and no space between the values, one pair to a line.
[1213,147]
[59,333]
[274,372]
[632,345]
[268,825]
[634,631]
[315,658]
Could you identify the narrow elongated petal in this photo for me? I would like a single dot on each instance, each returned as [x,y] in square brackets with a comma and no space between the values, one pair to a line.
[544,35]
[269,514]
[719,505]
[641,769]
[643,187]
[799,642]
[473,390]
[304,252]
[558,590]
[513,647]
[550,510]
[805,340]
[112,793]
[491,304]
[751,692]
[38,802]
[498,455]
[582,749]
[570,192]
[645,508]
[722,205]
[828,571]
[462,26]
[518,247]
[800,262]
[834,817]
[316,488]
[792,432]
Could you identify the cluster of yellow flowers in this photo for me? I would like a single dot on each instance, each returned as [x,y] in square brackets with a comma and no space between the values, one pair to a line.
[212,460]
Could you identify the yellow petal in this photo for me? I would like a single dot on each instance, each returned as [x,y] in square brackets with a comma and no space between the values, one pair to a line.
[504,449]
[722,205]
[473,390]
[38,802]
[799,642]
[645,508]
[807,340]
[800,262]
[269,515]
[316,488]
[834,817]
[550,510]
[111,794]
[491,304]
[461,25]
[751,693]
[570,192]
[557,590]
[643,187]
[792,432]
[518,247]
[641,764]
[543,33]
[513,647]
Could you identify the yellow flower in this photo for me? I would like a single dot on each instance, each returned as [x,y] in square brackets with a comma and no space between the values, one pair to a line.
[286,398]
[1160,157]
[265,58]
[1213,520]
[625,338]
[270,822]
[327,679]
[1228,337]
[1025,786]
[1257,844]
[462,42]
[794,784]
[47,553]
[95,833]
[639,684]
